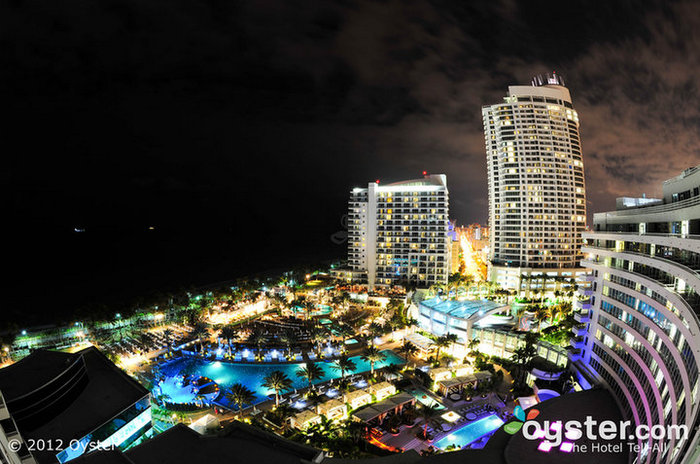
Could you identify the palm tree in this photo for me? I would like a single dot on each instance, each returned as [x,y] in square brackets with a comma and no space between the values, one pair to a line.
[372,355]
[258,339]
[289,338]
[198,331]
[239,395]
[427,413]
[311,372]
[309,307]
[541,314]
[277,381]
[320,433]
[319,335]
[452,339]
[473,344]
[228,333]
[168,334]
[343,364]
[408,349]
[375,329]
[410,322]
[392,369]
[344,331]
[355,430]
[441,342]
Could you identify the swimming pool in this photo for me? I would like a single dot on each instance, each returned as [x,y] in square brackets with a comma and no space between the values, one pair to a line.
[251,375]
[321,310]
[426,399]
[470,432]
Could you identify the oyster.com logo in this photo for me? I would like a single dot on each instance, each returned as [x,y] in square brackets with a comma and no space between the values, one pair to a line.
[513,427]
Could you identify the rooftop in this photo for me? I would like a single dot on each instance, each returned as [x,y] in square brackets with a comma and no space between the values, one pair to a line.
[241,443]
[462,309]
[107,392]
[373,410]
[33,372]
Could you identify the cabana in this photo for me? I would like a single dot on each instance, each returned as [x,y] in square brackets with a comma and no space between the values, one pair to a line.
[358,398]
[440,373]
[382,390]
[304,419]
[423,343]
[332,409]
[461,370]
[458,384]
[377,412]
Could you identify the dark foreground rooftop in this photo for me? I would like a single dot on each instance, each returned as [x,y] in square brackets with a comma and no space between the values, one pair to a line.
[33,372]
[240,443]
[90,399]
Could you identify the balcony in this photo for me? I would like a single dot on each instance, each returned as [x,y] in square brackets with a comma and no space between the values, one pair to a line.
[582,317]
[574,353]
[576,342]
[584,305]
[579,330]
[585,292]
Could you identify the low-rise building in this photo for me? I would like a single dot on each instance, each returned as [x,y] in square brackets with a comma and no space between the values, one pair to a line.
[441,316]
[333,409]
[304,419]
[358,398]
[382,390]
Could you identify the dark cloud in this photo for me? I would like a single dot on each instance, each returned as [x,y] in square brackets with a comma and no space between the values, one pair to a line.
[155,106]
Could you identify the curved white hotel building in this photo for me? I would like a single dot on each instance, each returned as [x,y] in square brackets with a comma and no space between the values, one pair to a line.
[537,201]
[643,335]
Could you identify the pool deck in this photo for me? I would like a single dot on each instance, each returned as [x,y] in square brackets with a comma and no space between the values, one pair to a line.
[407,438]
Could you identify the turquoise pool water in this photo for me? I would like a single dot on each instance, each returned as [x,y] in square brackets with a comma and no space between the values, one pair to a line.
[321,311]
[470,432]
[425,399]
[252,375]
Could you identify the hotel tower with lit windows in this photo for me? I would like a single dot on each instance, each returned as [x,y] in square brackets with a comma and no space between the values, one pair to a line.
[537,200]
[639,331]
[398,234]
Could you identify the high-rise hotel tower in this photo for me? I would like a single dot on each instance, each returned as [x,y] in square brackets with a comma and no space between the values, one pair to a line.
[398,234]
[537,199]
[639,332]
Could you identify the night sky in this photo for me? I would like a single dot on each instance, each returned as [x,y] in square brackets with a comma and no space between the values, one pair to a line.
[253,120]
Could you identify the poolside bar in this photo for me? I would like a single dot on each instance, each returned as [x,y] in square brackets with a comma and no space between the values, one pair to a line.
[377,412]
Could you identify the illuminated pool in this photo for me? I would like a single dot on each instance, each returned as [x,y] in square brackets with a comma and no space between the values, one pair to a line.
[470,432]
[252,375]
[425,399]
[322,310]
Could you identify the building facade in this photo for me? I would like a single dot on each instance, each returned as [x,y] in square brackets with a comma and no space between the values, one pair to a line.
[444,316]
[537,201]
[398,234]
[78,398]
[639,329]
